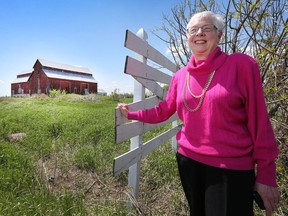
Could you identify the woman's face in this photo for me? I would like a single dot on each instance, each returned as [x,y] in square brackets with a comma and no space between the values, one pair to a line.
[202,41]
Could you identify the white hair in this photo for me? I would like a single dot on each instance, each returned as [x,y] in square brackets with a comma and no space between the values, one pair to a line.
[216,19]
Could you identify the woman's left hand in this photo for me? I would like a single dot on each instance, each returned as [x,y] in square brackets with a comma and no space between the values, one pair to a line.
[123,108]
[270,196]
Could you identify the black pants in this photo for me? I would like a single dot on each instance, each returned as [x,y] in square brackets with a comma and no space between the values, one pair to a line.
[212,191]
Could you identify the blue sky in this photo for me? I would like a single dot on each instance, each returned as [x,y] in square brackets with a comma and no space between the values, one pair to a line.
[89,33]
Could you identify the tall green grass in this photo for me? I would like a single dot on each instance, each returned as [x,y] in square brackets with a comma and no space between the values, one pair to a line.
[64,164]
[66,139]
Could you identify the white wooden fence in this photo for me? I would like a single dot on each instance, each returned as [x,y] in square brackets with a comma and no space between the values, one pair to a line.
[150,78]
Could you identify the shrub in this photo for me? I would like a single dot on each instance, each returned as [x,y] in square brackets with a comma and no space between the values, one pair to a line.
[53,93]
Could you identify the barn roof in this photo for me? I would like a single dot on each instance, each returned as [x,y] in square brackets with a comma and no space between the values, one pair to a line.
[21,80]
[51,64]
[69,76]
[26,72]
[23,76]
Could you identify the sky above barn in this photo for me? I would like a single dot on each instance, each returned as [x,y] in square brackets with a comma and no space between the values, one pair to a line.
[88,33]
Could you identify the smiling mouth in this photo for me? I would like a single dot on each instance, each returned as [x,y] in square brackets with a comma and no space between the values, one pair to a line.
[200,42]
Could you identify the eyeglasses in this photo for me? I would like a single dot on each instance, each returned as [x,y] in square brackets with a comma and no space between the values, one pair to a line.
[205,28]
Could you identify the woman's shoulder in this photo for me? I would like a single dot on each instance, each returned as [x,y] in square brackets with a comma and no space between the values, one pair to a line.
[241,58]
[243,63]
[181,72]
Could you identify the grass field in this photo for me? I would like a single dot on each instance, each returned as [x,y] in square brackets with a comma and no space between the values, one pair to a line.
[63,164]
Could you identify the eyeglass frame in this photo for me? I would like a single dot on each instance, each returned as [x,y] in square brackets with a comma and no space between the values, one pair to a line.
[196,28]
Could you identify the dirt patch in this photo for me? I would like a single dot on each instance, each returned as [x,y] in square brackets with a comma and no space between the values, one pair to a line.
[16,137]
[90,184]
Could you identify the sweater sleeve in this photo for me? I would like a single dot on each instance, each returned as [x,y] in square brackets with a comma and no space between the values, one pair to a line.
[161,112]
[265,148]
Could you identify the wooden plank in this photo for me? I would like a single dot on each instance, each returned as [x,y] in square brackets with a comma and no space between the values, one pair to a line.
[126,131]
[119,118]
[136,44]
[139,69]
[154,143]
[152,86]
[124,161]
[145,104]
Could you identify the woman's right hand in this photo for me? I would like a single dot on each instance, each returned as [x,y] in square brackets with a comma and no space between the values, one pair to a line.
[123,108]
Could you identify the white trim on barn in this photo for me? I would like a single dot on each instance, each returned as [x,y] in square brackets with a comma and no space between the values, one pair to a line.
[69,76]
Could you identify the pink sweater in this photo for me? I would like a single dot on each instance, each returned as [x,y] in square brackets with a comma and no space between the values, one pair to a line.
[231,129]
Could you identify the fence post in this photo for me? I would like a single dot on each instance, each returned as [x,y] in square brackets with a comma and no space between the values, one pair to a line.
[173,140]
[139,94]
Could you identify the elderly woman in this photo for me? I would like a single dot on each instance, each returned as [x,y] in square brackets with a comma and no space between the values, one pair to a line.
[226,132]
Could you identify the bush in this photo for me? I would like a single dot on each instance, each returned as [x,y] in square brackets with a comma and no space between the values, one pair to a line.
[53,93]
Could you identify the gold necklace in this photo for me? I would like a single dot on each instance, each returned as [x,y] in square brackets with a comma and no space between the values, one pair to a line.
[201,96]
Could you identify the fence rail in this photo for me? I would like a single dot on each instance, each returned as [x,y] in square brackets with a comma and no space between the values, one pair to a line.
[152,79]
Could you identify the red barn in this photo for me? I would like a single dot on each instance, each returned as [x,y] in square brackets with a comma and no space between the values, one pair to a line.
[49,75]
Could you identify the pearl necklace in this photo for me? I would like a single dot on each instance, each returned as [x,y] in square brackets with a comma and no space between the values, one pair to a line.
[201,96]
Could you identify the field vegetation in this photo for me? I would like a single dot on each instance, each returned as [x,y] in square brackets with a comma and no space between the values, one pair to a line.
[62,162]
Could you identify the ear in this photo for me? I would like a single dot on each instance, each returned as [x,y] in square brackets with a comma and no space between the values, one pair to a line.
[220,35]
